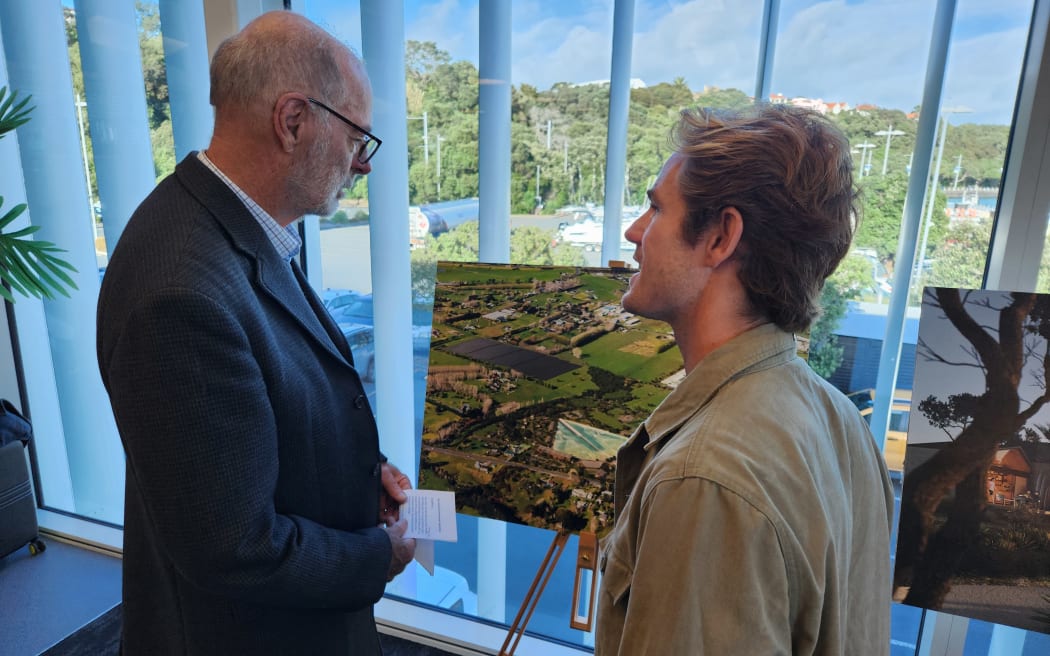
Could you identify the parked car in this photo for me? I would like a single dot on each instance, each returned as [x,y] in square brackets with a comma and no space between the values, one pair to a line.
[354,313]
[362,344]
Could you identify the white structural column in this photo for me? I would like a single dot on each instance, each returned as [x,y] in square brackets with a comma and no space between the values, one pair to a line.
[889,359]
[30,324]
[116,100]
[494,39]
[616,148]
[37,63]
[186,62]
[494,131]
[383,45]
[766,49]
[1021,218]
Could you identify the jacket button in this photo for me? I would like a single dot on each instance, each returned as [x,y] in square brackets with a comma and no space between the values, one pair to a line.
[360,402]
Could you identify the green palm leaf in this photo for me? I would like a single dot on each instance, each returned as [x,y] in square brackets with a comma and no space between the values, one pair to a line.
[27,266]
[12,115]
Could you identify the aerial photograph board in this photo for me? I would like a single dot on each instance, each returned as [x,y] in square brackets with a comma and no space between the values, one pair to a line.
[536,377]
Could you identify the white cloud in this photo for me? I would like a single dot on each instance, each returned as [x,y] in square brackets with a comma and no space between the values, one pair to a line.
[449,24]
[983,75]
[872,51]
[857,53]
[710,43]
[556,49]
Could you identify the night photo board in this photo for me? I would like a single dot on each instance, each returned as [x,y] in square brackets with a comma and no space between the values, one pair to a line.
[974,532]
[536,377]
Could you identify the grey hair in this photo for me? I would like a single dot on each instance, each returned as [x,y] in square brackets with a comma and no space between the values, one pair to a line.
[254,67]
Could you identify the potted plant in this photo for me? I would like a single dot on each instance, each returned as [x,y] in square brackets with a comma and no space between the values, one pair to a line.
[27,266]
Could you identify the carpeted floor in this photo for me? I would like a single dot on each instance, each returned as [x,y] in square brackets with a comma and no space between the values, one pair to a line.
[102,638]
[99,638]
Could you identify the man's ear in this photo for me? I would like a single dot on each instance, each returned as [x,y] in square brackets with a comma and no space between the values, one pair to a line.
[289,116]
[723,237]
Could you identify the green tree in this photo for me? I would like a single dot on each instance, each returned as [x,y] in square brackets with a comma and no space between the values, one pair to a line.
[959,261]
[532,245]
[825,352]
[882,210]
[155,78]
[459,244]
[422,58]
[722,98]
[27,266]
[853,278]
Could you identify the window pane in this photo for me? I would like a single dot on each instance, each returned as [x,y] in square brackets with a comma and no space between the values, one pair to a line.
[871,84]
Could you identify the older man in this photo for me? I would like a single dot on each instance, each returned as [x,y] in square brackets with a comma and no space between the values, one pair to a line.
[753,506]
[258,506]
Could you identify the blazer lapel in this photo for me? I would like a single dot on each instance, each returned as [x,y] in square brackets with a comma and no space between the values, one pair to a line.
[274,276]
[329,325]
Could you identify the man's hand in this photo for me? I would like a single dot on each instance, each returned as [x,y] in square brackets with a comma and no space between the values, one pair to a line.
[391,496]
[402,549]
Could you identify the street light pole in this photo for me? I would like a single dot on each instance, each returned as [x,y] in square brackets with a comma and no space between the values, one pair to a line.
[439,140]
[426,140]
[865,148]
[932,192]
[958,170]
[538,197]
[87,172]
[888,133]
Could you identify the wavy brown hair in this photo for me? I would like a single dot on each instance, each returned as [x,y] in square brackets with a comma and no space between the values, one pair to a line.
[789,173]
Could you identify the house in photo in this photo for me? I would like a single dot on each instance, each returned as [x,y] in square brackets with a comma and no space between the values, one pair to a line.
[1007,478]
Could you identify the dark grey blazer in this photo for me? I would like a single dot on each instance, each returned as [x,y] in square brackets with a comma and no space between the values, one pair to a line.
[252,496]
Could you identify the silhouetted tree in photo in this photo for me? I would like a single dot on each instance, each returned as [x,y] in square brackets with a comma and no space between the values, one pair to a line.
[928,557]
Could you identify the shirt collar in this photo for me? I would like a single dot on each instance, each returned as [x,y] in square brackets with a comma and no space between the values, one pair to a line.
[759,348]
[285,239]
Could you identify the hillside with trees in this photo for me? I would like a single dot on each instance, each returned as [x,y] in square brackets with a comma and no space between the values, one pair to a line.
[558,139]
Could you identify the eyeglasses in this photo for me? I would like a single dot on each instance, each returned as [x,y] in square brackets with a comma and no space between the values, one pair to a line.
[369,142]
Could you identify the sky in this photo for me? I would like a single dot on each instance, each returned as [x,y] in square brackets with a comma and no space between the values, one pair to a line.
[941,380]
[853,51]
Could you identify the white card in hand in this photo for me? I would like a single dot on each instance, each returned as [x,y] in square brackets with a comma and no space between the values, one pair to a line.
[431,515]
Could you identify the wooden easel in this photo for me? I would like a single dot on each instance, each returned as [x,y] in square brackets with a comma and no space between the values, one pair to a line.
[586,559]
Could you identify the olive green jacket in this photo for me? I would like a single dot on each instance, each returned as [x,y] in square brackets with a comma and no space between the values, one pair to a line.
[753,517]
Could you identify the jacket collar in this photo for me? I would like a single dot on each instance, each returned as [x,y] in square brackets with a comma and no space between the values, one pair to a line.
[273,275]
[759,348]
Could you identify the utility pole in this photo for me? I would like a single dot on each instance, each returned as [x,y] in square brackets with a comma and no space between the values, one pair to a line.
[439,140]
[888,133]
[426,139]
[958,170]
[548,134]
[865,161]
[538,197]
[87,172]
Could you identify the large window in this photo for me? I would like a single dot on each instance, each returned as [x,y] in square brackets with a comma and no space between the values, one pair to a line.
[861,63]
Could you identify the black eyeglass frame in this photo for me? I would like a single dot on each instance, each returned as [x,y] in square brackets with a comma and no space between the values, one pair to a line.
[369,138]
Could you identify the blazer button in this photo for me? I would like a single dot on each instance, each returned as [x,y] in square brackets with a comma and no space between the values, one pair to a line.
[360,402]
